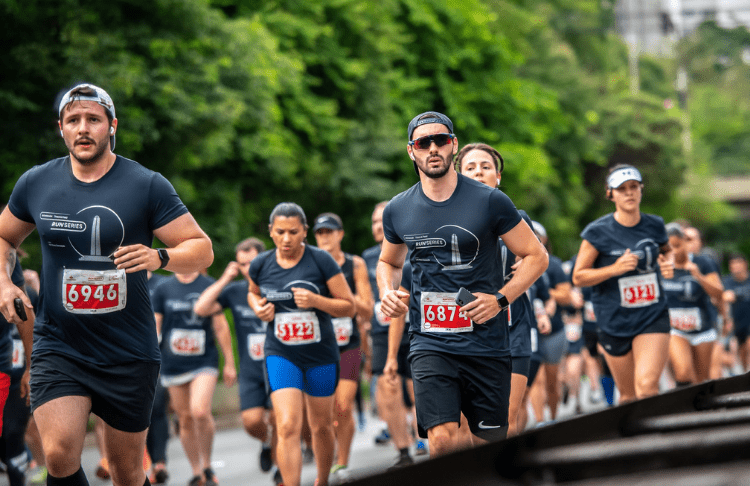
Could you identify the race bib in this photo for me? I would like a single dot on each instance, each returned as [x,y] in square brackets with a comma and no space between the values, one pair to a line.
[440,313]
[19,357]
[534,340]
[94,292]
[187,342]
[256,346]
[295,328]
[343,328]
[382,319]
[639,290]
[573,331]
[686,320]
[588,311]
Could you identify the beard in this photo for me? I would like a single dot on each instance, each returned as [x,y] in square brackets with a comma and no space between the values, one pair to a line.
[434,172]
[101,147]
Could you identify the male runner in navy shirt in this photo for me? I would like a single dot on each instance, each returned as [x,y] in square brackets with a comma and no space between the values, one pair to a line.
[95,346]
[460,356]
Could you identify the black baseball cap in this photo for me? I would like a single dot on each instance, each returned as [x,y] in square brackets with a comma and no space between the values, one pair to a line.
[429,117]
[328,221]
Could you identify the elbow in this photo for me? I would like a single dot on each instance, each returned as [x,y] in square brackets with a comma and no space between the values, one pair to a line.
[199,309]
[576,279]
[208,254]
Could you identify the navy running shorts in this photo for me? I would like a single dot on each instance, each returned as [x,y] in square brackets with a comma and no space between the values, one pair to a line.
[447,384]
[121,395]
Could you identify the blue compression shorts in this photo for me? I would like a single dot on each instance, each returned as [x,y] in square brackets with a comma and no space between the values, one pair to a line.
[318,381]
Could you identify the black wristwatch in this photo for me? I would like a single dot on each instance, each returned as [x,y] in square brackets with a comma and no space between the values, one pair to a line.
[163,256]
[502,301]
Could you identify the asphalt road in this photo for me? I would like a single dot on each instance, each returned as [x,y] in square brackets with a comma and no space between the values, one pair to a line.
[235,457]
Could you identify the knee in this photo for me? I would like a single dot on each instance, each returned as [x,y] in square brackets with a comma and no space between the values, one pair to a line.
[288,429]
[646,386]
[343,409]
[201,414]
[254,424]
[60,460]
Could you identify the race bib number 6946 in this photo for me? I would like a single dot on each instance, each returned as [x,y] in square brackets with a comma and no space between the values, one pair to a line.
[93,292]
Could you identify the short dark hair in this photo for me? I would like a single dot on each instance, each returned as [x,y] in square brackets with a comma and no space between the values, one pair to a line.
[249,244]
[735,255]
[288,210]
[496,157]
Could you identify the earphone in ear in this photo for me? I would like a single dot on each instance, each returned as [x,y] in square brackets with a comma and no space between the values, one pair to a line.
[61,134]
[111,130]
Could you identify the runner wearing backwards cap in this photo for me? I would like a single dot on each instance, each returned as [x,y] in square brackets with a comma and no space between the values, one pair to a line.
[95,346]
[460,355]
[624,256]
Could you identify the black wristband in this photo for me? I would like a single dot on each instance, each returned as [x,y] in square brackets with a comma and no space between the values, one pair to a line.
[163,256]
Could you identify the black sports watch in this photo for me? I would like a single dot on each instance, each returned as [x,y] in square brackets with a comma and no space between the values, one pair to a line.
[163,256]
[502,301]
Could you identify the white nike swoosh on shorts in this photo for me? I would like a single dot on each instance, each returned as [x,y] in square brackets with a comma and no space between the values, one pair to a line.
[482,426]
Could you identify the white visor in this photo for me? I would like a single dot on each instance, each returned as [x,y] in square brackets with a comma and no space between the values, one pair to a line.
[618,177]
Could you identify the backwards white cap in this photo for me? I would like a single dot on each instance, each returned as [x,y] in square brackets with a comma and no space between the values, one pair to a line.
[624,174]
[98,96]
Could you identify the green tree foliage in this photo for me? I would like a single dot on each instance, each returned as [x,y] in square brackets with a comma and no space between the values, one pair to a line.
[246,103]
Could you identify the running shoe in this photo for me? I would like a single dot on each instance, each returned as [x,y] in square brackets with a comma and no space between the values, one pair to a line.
[340,474]
[277,481]
[102,469]
[196,481]
[38,475]
[403,461]
[266,462]
[421,448]
[383,438]
[211,480]
[159,475]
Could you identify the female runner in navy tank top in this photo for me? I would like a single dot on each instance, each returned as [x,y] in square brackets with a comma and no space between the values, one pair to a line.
[624,256]
[298,288]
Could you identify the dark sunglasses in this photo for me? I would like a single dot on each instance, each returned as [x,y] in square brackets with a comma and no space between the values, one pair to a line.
[440,139]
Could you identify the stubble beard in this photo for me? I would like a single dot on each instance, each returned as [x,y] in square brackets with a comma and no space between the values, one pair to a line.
[437,172]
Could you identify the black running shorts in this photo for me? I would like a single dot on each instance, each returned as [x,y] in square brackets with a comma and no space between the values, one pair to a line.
[121,395]
[447,384]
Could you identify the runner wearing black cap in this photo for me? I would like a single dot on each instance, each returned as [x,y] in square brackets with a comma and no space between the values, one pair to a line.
[95,347]
[624,256]
[329,232]
[460,355]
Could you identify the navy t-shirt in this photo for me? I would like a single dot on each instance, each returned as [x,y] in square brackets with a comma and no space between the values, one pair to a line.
[378,323]
[347,332]
[520,311]
[556,275]
[537,294]
[689,304]
[9,351]
[249,328]
[89,310]
[303,336]
[741,307]
[589,316]
[453,244]
[628,304]
[187,342]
